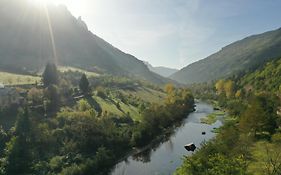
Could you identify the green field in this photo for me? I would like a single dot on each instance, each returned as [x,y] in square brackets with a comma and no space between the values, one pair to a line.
[110,107]
[66,69]
[17,79]
[148,95]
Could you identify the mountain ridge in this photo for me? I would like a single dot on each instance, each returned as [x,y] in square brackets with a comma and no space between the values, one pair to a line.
[240,56]
[31,37]
[161,70]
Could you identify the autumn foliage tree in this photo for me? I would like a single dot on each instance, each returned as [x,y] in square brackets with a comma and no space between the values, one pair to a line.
[229,88]
[220,86]
[226,87]
[170,90]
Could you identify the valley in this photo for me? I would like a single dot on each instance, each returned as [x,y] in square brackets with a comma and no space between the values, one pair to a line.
[72,103]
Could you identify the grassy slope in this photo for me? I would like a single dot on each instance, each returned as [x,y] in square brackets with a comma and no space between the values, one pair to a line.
[17,79]
[148,95]
[145,94]
[110,107]
[67,68]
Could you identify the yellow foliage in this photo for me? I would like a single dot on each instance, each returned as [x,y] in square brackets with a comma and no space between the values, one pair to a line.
[229,88]
[220,86]
[238,94]
[169,88]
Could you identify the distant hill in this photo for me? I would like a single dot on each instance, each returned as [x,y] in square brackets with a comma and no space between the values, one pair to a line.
[163,71]
[241,56]
[31,37]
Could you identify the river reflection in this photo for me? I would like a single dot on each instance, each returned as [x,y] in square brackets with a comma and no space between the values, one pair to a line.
[164,157]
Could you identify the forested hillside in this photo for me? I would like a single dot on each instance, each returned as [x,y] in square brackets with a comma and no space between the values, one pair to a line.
[268,78]
[31,36]
[251,134]
[240,57]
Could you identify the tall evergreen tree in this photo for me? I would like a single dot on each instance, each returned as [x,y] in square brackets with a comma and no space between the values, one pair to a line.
[19,153]
[84,84]
[53,97]
[50,75]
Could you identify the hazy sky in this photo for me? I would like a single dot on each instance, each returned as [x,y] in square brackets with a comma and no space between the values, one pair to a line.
[175,33]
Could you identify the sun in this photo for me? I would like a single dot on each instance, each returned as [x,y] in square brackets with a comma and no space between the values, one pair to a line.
[40,2]
[44,2]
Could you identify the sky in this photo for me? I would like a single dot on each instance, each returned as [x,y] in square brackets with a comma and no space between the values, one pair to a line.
[175,33]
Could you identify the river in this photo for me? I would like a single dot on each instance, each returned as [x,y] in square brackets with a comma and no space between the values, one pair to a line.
[165,157]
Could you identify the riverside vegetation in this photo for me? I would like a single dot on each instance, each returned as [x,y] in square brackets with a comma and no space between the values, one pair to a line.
[74,124]
[251,134]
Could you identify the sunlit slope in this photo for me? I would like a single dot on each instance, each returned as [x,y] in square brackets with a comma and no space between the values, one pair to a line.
[243,55]
[268,78]
[17,79]
[31,36]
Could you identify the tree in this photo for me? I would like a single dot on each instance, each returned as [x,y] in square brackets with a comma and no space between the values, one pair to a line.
[169,88]
[84,84]
[260,116]
[35,96]
[50,75]
[18,150]
[238,94]
[220,86]
[229,88]
[53,97]
[83,105]
[3,140]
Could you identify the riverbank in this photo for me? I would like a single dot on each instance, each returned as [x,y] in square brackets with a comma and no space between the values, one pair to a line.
[163,137]
[165,153]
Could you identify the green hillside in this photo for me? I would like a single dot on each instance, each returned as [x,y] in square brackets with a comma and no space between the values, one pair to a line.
[267,79]
[241,56]
[251,134]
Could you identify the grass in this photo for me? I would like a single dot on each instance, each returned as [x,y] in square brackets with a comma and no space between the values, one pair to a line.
[148,95]
[143,93]
[210,119]
[109,105]
[88,73]
[17,79]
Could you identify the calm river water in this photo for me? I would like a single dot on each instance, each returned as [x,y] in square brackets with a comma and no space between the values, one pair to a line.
[164,158]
